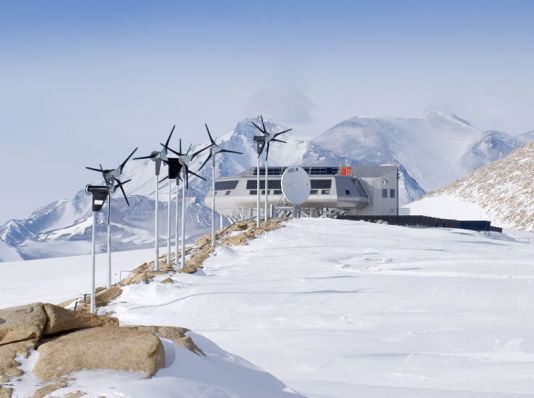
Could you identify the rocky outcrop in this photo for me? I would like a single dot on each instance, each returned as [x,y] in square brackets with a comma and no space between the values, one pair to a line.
[8,363]
[175,334]
[22,323]
[125,349]
[32,321]
[62,320]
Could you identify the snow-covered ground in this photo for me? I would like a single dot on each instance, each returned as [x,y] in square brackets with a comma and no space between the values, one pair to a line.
[447,206]
[344,309]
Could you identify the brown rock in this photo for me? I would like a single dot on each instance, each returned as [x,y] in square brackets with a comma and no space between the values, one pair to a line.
[22,323]
[5,392]
[8,364]
[100,348]
[104,297]
[143,273]
[175,334]
[237,240]
[50,388]
[167,280]
[62,320]
[204,240]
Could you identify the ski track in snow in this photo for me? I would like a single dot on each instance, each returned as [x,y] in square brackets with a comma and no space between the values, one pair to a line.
[343,309]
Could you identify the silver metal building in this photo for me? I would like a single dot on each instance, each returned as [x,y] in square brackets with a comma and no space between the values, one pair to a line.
[360,190]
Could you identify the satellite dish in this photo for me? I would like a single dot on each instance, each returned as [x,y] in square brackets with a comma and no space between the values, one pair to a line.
[296,185]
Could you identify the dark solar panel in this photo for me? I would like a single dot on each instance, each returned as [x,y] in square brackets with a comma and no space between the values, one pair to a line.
[225,185]
[321,184]
[273,184]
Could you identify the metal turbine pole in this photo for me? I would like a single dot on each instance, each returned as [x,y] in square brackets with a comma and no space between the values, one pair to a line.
[169,225]
[93,252]
[183,218]
[177,216]
[258,192]
[213,202]
[266,214]
[109,241]
[156,228]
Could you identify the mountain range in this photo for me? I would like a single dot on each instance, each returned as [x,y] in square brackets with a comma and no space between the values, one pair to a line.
[503,190]
[432,152]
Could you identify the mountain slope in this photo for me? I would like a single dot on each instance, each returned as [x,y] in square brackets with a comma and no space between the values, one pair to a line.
[8,252]
[436,149]
[503,189]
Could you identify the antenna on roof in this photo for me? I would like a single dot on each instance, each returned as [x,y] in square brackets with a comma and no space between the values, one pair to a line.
[112,180]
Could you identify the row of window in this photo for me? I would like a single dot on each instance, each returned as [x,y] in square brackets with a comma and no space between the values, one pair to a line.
[279,192]
[385,193]
[273,184]
[310,170]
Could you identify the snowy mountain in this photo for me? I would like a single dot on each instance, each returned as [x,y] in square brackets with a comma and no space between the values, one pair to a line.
[431,152]
[494,145]
[63,227]
[436,149]
[8,252]
[502,189]
[526,137]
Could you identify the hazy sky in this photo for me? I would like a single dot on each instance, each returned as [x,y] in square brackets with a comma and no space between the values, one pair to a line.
[81,82]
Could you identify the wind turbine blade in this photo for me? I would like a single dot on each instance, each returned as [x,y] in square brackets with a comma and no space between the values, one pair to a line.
[124,194]
[205,161]
[173,151]
[263,124]
[169,138]
[163,179]
[199,152]
[93,169]
[258,127]
[196,175]
[229,151]
[276,140]
[180,149]
[209,134]
[282,132]
[267,153]
[126,160]
[143,157]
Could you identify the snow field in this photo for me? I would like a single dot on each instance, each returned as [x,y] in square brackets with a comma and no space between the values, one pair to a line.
[329,308]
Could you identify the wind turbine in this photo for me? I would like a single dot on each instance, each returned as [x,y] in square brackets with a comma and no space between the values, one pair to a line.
[214,151]
[269,137]
[174,168]
[112,180]
[185,160]
[158,157]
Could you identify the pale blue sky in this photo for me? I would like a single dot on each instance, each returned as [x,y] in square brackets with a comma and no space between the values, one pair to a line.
[83,81]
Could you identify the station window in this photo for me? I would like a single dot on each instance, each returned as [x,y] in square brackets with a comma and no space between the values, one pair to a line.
[347,192]
[391,193]
[277,192]
[253,192]
[384,193]
[325,192]
[313,192]
[227,193]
